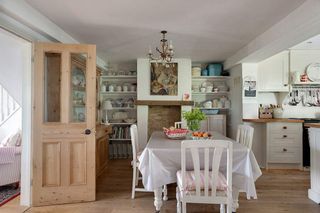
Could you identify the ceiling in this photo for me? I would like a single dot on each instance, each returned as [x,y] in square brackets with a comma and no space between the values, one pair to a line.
[207,30]
[310,44]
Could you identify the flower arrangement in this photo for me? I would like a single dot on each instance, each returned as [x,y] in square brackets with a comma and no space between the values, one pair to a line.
[193,118]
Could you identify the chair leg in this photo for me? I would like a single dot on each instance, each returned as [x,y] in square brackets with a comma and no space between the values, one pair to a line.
[137,176]
[165,193]
[178,200]
[229,207]
[134,176]
[184,207]
[222,208]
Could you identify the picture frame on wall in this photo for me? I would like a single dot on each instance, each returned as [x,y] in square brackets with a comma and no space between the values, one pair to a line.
[250,87]
[164,79]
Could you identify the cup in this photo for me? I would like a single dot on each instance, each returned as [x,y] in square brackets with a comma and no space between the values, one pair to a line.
[202,89]
[125,88]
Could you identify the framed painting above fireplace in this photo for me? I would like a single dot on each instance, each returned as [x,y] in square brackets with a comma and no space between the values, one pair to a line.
[164,79]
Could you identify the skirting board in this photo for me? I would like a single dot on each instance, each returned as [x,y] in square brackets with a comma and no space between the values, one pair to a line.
[313,195]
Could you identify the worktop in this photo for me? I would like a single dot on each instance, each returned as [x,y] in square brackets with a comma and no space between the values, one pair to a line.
[314,125]
[267,120]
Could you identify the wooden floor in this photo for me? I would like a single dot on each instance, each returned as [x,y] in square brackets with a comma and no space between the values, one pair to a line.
[278,191]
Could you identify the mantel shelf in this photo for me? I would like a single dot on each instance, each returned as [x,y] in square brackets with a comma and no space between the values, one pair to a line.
[164,103]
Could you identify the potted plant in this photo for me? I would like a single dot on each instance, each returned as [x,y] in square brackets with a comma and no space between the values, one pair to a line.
[193,118]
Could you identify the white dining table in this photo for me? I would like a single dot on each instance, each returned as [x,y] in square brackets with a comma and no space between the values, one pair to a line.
[161,159]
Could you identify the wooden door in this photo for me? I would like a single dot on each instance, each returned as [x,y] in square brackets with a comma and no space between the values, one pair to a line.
[64,123]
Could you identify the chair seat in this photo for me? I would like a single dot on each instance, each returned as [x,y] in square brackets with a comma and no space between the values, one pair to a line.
[191,185]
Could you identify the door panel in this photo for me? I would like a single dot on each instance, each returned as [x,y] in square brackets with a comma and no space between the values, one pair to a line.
[64,108]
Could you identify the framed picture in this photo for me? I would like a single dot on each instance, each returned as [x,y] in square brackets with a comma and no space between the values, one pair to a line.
[164,79]
[250,87]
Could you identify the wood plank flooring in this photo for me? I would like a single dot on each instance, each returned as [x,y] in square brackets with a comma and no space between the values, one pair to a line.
[279,191]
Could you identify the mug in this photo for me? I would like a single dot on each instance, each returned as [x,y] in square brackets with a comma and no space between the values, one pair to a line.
[202,89]
[125,88]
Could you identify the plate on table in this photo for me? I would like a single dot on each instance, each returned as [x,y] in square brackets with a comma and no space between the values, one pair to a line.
[313,72]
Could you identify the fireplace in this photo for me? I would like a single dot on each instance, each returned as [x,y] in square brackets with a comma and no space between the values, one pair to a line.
[162,116]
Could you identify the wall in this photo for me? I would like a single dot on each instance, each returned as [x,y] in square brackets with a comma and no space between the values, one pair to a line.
[246,107]
[143,90]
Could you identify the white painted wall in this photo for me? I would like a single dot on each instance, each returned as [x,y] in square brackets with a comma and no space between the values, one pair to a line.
[143,90]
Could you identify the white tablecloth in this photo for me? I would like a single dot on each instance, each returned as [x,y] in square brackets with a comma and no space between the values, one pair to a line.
[161,159]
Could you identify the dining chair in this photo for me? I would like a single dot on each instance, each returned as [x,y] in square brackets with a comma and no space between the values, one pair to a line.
[136,152]
[245,135]
[204,183]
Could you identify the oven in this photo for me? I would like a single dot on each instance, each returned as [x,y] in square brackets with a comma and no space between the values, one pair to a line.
[306,145]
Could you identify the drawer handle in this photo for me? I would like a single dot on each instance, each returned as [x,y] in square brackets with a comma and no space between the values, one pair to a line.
[284,150]
[284,127]
[285,136]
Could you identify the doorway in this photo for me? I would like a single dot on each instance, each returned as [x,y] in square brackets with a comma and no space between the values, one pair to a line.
[15,83]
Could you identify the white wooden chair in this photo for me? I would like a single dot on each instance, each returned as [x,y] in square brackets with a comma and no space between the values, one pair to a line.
[205,191]
[178,125]
[136,152]
[245,135]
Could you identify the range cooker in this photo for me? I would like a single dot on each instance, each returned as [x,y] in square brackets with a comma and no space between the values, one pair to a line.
[306,145]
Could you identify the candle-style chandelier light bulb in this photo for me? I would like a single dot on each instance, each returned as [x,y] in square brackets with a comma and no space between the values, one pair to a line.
[165,51]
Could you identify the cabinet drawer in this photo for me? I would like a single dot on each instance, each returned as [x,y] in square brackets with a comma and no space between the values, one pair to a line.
[284,154]
[283,138]
[285,127]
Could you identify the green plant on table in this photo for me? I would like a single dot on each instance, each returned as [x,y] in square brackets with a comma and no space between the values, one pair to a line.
[193,118]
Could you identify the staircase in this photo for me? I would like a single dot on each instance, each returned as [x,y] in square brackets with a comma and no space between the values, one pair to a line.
[8,106]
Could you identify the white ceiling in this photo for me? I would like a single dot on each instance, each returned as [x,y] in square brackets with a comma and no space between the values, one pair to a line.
[310,44]
[207,30]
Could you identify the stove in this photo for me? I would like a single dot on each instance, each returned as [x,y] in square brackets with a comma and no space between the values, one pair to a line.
[306,145]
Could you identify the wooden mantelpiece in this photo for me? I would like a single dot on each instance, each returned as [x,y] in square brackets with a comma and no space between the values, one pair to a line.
[164,103]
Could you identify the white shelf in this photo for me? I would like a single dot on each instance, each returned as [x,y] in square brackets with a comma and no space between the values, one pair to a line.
[119,139]
[123,108]
[118,76]
[118,93]
[217,78]
[213,108]
[210,93]
[121,123]
[307,83]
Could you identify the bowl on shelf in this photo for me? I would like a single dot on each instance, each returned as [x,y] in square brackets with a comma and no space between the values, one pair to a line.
[130,120]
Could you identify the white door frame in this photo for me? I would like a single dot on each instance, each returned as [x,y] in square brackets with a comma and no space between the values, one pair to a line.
[26,157]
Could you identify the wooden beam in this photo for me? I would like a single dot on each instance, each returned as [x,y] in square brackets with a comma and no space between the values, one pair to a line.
[164,103]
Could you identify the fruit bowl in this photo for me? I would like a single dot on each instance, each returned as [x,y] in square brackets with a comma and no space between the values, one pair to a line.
[176,134]
[201,135]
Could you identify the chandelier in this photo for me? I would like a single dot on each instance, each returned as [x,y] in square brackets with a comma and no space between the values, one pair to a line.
[166,50]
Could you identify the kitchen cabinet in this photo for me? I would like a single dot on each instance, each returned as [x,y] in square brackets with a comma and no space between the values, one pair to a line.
[215,123]
[102,147]
[314,191]
[284,145]
[273,73]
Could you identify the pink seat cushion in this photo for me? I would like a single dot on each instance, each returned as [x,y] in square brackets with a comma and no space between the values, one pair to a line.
[191,184]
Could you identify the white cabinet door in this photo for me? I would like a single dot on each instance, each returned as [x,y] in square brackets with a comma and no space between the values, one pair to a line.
[273,73]
[217,123]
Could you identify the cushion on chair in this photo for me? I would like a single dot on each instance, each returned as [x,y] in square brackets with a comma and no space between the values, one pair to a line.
[190,181]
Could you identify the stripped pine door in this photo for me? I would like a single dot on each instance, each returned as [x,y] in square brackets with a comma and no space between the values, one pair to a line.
[64,116]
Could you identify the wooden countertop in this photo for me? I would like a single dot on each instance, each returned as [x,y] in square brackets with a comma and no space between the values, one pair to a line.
[102,130]
[314,125]
[286,120]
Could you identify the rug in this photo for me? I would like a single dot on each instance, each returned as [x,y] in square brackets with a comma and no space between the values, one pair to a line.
[7,193]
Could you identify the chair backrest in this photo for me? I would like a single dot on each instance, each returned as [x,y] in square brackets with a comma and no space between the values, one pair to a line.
[178,125]
[134,140]
[207,148]
[245,135]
